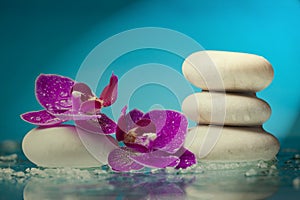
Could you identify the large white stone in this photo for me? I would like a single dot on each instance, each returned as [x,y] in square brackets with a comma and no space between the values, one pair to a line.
[234,144]
[238,109]
[219,70]
[62,147]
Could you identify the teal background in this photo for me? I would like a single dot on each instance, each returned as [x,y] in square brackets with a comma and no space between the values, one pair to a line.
[46,37]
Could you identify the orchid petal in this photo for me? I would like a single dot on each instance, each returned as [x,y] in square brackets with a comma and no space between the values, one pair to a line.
[72,115]
[100,125]
[121,129]
[145,126]
[137,147]
[171,129]
[133,117]
[155,159]
[119,160]
[127,122]
[143,122]
[123,111]
[41,118]
[186,157]
[54,91]
[76,102]
[110,92]
[90,106]
[145,135]
[82,90]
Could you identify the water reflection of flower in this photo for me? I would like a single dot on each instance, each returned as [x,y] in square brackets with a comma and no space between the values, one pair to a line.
[151,186]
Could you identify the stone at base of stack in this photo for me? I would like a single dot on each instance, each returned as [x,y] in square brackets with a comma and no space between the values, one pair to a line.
[235,143]
[242,137]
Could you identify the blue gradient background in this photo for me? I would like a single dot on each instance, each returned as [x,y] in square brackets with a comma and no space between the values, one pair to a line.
[43,37]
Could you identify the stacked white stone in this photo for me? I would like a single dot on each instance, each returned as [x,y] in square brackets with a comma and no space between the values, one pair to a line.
[241,75]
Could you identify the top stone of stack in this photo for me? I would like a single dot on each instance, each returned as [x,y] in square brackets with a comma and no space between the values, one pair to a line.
[229,71]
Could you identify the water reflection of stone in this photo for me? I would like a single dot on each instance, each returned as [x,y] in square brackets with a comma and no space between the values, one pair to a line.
[234,184]
[211,184]
[111,186]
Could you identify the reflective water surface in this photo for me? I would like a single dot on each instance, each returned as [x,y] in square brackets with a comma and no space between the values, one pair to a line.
[19,179]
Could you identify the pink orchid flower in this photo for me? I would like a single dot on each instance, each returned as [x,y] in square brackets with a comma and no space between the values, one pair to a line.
[64,99]
[154,140]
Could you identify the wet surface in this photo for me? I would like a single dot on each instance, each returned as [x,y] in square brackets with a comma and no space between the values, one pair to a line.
[19,179]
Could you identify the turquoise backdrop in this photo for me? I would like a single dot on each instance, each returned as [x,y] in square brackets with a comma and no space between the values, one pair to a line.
[46,37]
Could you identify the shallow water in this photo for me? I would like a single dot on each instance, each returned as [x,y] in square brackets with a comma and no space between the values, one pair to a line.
[19,179]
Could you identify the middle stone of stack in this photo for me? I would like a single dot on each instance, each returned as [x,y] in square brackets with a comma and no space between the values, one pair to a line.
[241,109]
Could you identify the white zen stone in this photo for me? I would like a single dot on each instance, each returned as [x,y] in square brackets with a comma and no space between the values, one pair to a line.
[219,70]
[234,144]
[238,109]
[62,147]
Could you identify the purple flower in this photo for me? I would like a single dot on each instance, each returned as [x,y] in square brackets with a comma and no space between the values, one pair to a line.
[159,185]
[63,99]
[154,140]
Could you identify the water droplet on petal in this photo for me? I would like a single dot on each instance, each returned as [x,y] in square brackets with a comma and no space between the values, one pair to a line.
[38,119]
[65,102]
[63,94]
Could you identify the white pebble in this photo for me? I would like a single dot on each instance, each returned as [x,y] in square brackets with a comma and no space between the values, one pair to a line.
[232,71]
[240,109]
[235,144]
[297,156]
[19,174]
[262,164]
[251,172]
[11,157]
[296,183]
[62,147]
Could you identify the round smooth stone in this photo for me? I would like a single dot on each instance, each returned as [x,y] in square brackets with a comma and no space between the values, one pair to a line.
[235,144]
[238,109]
[230,71]
[61,147]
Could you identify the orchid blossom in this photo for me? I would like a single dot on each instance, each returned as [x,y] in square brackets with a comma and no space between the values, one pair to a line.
[64,99]
[154,140]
